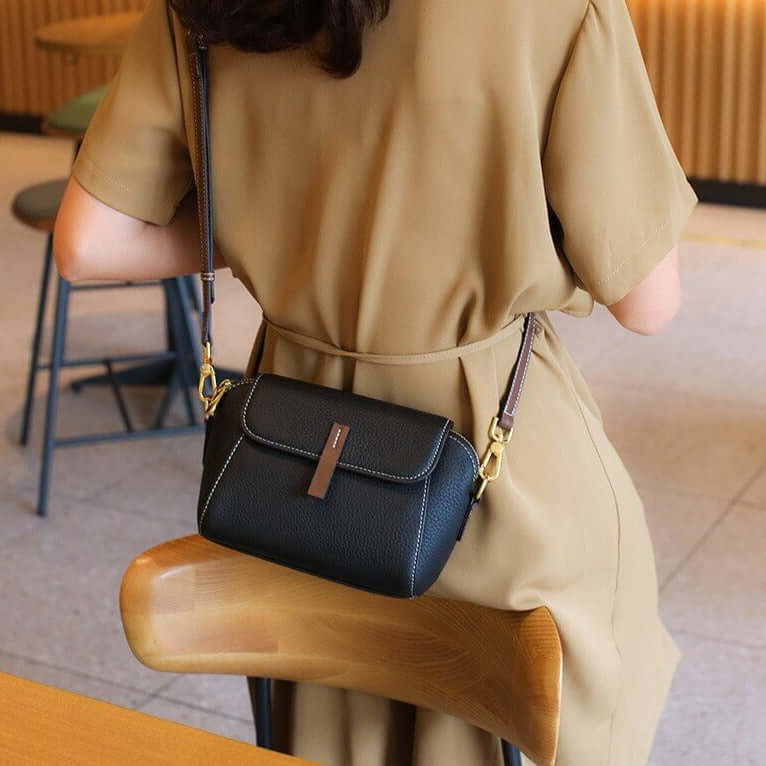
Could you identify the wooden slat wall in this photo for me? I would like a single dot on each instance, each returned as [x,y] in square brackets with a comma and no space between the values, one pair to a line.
[707,61]
[706,58]
[34,81]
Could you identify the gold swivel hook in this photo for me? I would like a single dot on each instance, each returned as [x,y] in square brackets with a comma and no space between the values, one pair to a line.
[207,374]
[490,466]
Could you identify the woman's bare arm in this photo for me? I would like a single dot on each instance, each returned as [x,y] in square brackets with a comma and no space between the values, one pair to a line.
[93,241]
[650,306]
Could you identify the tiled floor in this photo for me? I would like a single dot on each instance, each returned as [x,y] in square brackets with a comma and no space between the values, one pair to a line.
[687,411]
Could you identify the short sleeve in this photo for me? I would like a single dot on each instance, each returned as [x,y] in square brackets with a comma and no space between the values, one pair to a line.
[135,155]
[611,175]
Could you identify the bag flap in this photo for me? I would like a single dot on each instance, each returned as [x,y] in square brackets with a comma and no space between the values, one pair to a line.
[385,440]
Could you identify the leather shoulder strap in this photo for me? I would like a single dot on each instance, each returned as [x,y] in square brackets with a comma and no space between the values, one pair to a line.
[198,53]
[510,403]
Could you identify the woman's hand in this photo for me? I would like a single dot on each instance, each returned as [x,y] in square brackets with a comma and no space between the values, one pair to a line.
[650,306]
[93,241]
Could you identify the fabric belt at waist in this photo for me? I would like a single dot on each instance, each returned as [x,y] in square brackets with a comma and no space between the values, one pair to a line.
[514,326]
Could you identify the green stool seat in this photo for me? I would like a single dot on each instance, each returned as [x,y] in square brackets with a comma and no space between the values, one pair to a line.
[38,205]
[74,116]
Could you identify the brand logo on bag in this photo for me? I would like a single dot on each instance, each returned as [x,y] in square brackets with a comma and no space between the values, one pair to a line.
[328,460]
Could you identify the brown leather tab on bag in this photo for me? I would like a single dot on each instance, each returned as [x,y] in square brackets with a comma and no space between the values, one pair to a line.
[328,460]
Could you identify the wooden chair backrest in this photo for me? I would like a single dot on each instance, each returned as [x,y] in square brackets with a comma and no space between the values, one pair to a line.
[190,606]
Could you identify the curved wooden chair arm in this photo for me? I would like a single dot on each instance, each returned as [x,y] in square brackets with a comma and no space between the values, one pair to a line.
[190,606]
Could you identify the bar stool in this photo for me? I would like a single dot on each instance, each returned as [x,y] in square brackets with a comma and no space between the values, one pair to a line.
[72,118]
[190,606]
[37,206]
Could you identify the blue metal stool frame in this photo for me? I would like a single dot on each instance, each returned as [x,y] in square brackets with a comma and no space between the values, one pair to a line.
[175,367]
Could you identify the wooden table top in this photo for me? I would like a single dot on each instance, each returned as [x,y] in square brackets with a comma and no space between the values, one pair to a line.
[40,725]
[96,35]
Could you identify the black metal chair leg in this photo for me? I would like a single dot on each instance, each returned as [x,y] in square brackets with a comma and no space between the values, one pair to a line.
[184,349]
[260,701]
[119,398]
[511,754]
[34,362]
[57,357]
[188,300]
[167,399]
[190,337]
[191,288]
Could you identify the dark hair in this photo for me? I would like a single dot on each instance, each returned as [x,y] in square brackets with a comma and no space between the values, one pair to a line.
[275,25]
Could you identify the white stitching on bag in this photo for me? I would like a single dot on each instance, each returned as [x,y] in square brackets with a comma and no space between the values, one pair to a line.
[242,382]
[420,535]
[220,475]
[364,469]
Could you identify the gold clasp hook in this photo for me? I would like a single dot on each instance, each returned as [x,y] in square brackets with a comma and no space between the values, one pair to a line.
[207,373]
[489,469]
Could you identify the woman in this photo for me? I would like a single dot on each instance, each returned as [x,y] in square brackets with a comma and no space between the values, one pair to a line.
[407,179]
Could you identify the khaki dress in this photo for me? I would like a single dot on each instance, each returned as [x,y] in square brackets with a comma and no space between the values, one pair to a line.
[489,158]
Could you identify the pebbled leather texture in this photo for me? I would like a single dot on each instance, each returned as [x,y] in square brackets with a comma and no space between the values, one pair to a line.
[392,513]
[386,440]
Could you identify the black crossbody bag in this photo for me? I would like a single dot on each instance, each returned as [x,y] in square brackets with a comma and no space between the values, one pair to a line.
[347,487]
